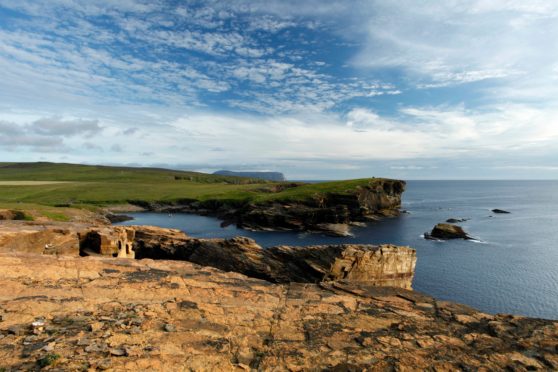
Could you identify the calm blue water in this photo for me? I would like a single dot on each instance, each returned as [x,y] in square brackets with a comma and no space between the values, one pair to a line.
[514,269]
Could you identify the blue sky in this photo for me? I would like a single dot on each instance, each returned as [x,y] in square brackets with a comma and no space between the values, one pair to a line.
[315,89]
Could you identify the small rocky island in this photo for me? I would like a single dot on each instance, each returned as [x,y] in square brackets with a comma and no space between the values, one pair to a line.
[445,231]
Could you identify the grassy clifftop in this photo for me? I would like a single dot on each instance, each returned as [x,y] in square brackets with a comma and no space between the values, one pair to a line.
[54,184]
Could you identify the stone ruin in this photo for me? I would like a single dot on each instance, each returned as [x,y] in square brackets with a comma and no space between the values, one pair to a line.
[111,241]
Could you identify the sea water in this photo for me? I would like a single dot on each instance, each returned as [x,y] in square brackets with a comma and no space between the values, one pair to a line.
[512,267]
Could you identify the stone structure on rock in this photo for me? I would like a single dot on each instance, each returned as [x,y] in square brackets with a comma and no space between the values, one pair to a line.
[116,241]
[95,313]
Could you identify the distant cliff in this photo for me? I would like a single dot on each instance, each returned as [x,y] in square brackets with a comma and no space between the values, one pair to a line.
[329,207]
[270,176]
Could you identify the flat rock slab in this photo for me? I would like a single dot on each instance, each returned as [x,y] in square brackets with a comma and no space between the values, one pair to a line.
[120,314]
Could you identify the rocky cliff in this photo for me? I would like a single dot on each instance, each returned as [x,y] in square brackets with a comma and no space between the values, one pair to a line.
[375,265]
[329,212]
[94,313]
[384,265]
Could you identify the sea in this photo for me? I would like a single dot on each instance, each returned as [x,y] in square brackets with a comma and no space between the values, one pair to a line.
[510,267]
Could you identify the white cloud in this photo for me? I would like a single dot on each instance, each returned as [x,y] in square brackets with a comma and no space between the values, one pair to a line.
[462,41]
[59,127]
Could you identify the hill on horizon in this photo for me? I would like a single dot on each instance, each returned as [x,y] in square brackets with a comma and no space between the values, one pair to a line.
[270,176]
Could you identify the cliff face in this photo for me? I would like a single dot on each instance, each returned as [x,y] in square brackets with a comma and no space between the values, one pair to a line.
[375,265]
[99,313]
[329,212]
[384,265]
[323,212]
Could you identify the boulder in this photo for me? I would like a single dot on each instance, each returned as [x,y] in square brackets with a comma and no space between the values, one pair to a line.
[445,231]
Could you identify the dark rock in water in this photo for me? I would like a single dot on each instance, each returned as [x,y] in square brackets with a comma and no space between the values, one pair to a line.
[456,220]
[270,176]
[113,218]
[500,211]
[445,231]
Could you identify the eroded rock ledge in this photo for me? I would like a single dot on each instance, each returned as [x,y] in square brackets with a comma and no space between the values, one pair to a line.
[384,265]
[331,213]
[102,313]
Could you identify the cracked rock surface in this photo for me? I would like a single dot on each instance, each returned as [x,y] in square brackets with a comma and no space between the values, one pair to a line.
[96,313]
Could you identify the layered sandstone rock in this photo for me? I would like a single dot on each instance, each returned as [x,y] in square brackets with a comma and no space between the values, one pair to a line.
[376,265]
[63,238]
[51,238]
[93,313]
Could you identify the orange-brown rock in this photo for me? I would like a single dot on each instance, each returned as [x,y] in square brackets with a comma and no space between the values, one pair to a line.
[377,265]
[96,313]
[33,237]
[64,238]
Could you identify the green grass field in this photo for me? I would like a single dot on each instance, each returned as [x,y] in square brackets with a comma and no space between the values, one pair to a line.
[84,186]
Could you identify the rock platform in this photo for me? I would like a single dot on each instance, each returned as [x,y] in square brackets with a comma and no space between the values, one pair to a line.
[96,313]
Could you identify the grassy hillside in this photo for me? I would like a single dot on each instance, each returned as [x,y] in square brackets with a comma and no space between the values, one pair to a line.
[86,186]
[97,173]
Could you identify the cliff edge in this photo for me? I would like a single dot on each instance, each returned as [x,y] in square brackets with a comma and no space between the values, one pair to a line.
[98,313]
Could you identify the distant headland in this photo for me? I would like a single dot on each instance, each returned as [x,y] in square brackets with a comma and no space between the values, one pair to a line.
[270,176]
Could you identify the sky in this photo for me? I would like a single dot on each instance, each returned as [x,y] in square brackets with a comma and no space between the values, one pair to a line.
[315,89]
